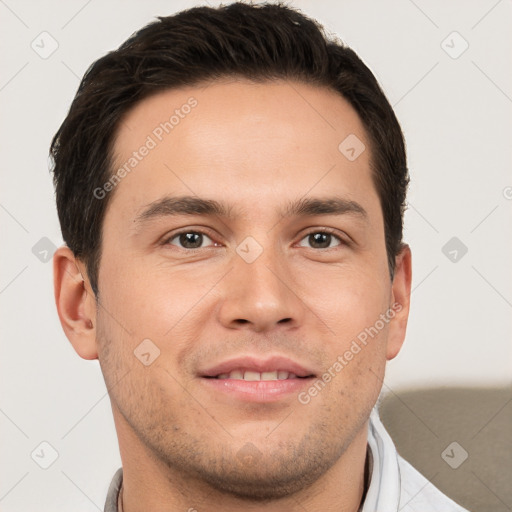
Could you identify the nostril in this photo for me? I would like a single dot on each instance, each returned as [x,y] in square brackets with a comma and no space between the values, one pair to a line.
[241,321]
[284,320]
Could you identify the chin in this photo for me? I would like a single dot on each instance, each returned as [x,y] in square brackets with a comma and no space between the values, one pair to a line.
[261,487]
[252,476]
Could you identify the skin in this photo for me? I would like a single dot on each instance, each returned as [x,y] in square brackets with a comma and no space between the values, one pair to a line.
[255,148]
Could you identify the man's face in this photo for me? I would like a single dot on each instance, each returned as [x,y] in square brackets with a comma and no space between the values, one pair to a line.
[279,279]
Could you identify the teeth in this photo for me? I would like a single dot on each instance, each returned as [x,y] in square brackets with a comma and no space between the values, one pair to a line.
[250,375]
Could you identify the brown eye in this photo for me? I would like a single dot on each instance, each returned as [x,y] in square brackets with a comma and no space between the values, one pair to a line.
[320,240]
[190,240]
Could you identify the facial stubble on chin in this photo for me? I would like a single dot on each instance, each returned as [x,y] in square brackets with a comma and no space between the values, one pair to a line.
[250,472]
[272,471]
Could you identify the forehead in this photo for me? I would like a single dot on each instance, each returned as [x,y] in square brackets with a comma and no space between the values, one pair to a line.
[253,142]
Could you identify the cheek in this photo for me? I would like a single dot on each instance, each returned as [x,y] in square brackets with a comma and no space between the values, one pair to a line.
[138,366]
[169,307]
[347,301]
[154,301]
[350,305]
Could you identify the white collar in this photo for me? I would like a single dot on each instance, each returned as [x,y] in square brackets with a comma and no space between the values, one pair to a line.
[384,491]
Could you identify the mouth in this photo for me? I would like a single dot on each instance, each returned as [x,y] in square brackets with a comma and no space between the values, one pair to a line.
[257,380]
[253,376]
[252,368]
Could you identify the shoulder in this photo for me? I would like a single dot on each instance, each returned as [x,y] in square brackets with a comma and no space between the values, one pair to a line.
[417,494]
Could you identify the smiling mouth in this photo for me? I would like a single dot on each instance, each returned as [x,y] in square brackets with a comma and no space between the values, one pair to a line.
[250,378]
[253,376]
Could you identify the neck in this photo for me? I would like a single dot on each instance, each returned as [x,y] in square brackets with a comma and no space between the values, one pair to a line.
[148,484]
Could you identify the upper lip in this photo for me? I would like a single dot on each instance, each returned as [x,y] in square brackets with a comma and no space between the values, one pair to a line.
[258,364]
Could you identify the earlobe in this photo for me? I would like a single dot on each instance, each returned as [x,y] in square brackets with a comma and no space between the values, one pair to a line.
[400,302]
[75,302]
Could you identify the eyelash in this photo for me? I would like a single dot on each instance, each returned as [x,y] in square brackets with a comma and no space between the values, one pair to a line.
[167,241]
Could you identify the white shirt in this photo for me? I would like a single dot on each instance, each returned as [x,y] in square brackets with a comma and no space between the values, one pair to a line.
[395,486]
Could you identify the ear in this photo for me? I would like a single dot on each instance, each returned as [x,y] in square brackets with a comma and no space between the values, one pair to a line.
[76,304]
[400,302]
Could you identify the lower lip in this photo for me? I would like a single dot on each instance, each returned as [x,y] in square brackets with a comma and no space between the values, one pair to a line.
[259,390]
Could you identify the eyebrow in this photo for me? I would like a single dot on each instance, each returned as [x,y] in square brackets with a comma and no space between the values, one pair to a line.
[190,205]
[324,206]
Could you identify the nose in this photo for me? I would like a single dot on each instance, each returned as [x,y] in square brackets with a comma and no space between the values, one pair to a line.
[260,296]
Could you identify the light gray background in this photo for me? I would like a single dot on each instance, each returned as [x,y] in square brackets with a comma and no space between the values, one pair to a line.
[456,115]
